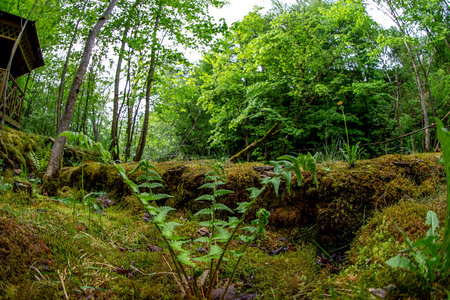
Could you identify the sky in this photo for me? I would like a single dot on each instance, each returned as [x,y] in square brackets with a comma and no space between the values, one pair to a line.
[237,9]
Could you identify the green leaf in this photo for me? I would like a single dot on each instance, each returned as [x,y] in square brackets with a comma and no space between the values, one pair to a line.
[236,253]
[276,184]
[205,223]
[215,251]
[263,217]
[121,171]
[245,238]
[204,211]
[219,193]
[167,228]
[399,262]
[209,185]
[204,258]
[151,185]
[290,158]
[221,234]
[162,214]
[203,239]
[176,245]
[243,207]
[132,185]
[288,176]
[156,197]
[250,228]
[254,192]
[185,258]
[433,221]
[233,222]
[220,206]
[205,197]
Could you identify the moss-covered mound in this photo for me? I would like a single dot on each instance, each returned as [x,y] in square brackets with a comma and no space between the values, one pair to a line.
[344,198]
[31,151]
[380,240]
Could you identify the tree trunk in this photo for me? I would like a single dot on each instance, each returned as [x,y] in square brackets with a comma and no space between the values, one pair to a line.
[51,177]
[151,72]
[396,95]
[423,102]
[86,103]
[64,71]
[132,128]
[398,108]
[113,148]
[95,124]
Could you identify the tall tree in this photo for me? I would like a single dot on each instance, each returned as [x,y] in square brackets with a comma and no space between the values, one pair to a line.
[394,10]
[66,65]
[51,177]
[169,26]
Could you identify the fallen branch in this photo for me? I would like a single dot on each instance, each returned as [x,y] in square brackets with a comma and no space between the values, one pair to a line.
[255,144]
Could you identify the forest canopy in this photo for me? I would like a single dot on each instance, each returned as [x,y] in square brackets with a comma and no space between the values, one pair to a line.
[304,77]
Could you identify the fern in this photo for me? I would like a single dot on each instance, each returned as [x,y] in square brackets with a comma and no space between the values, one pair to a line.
[39,161]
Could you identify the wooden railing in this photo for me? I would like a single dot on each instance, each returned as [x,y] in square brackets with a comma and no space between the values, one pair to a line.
[14,99]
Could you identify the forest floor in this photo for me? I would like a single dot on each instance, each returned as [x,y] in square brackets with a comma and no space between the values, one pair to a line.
[100,246]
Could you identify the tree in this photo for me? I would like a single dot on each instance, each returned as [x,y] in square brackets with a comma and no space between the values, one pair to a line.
[172,21]
[64,71]
[395,11]
[51,177]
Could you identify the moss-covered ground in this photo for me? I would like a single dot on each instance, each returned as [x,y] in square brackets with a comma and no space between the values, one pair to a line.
[326,242]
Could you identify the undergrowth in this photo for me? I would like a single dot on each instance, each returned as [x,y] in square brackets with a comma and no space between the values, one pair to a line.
[73,247]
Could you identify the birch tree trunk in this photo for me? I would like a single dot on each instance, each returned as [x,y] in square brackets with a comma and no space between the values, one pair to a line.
[51,178]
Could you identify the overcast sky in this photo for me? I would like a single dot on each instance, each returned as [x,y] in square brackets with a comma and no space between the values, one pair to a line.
[237,9]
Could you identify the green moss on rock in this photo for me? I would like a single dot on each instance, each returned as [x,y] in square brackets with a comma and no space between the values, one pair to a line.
[344,199]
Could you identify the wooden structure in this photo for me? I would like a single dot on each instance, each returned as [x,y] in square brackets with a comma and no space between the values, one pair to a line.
[28,57]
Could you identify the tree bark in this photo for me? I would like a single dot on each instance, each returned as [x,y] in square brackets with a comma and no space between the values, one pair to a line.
[113,148]
[51,177]
[151,72]
[91,77]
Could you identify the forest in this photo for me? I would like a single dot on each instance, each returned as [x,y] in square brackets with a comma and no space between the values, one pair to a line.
[289,68]
[317,132]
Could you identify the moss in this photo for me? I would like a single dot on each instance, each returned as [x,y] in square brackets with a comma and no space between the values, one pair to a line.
[277,277]
[20,250]
[133,205]
[344,199]
[19,145]
[378,241]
